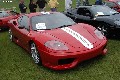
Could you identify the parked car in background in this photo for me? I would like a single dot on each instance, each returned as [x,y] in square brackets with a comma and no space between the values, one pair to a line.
[55,40]
[5,16]
[103,18]
[114,4]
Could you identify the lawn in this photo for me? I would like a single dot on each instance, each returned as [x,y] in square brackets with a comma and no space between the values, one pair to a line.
[17,64]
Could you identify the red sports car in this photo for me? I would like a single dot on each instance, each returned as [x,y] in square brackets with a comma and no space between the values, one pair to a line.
[114,4]
[5,16]
[55,40]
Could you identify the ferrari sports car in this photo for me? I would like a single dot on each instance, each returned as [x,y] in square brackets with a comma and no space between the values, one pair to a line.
[55,40]
[5,16]
[103,18]
[114,4]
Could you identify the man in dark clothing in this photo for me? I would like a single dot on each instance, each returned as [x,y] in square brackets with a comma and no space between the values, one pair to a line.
[32,6]
[22,7]
[41,4]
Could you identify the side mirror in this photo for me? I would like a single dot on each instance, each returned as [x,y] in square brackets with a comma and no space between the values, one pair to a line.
[14,22]
[21,27]
[89,15]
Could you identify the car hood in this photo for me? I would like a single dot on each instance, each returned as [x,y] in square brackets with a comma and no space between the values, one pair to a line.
[114,17]
[110,19]
[76,36]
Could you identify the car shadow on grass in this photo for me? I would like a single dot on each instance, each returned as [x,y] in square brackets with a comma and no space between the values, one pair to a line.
[3,30]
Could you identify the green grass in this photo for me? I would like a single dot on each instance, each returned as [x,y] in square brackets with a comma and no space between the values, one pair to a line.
[16,64]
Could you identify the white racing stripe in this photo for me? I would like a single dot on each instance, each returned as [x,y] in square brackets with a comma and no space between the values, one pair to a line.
[79,37]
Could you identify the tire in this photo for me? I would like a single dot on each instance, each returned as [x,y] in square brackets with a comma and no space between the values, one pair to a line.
[35,54]
[104,29]
[10,35]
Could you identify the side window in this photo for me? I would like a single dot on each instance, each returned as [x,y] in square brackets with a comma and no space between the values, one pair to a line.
[6,14]
[80,11]
[3,14]
[23,21]
[84,12]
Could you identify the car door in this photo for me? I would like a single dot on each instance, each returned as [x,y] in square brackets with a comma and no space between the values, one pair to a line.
[84,15]
[22,34]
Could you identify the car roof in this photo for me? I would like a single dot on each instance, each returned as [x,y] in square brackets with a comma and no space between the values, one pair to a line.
[84,6]
[39,13]
[90,6]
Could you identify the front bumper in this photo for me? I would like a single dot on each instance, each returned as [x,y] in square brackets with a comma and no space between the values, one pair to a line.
[68,60]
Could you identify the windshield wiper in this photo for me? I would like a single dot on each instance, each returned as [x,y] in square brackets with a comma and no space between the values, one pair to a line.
[103,15]
[41,29]
[115,13]
[66,25]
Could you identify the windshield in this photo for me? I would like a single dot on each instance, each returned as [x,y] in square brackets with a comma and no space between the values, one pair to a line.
[103,11]
[3,14]
[50,21]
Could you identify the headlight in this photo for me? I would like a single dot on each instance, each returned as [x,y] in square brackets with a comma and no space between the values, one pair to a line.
[98,34]
[56,45]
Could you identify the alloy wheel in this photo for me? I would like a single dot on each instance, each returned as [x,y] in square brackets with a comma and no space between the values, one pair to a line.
[34,53]
[10,35]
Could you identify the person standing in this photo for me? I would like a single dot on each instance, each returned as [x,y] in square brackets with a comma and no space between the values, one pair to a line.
[78,3]
[53,5]
[41,4]
[22,6]
[85,2]
[98,2]
[68,4]
[32,6]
